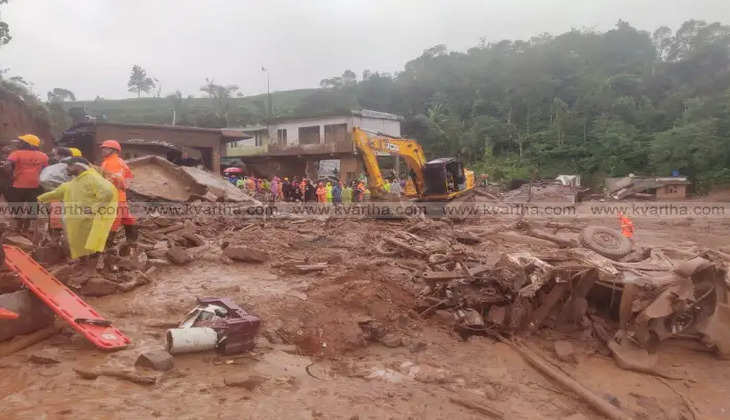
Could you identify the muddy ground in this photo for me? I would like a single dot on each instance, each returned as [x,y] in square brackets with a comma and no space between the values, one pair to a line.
[311,360]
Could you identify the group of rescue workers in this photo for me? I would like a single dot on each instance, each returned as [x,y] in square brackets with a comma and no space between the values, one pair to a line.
[304,190]
[87,202]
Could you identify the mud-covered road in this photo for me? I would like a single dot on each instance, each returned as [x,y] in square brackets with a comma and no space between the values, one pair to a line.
[311,360]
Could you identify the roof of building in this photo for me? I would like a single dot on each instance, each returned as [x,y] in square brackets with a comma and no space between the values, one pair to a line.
[145,142]
[364,113]
[228,132]
[369,113]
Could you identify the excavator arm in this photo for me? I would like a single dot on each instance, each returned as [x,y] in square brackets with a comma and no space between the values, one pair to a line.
[410,150]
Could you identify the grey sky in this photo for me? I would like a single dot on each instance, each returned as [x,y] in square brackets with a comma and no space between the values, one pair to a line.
[89,46]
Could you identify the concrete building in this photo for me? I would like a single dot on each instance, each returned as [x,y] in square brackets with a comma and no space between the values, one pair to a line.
[175,143]
[295,146]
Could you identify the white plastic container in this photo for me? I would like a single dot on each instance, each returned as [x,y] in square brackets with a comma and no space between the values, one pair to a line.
[189,340]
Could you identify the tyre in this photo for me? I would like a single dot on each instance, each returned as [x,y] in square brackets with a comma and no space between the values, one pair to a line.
[608,242]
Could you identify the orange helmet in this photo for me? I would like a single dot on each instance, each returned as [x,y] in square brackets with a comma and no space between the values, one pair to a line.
[112,144]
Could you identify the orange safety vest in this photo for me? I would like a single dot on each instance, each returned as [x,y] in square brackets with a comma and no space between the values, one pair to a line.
[627,226]
[117,172]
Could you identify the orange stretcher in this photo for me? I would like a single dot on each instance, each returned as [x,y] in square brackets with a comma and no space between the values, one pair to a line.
[82,317]
[7,314]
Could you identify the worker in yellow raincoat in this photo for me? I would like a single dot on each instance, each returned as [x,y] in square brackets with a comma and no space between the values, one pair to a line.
[90,207]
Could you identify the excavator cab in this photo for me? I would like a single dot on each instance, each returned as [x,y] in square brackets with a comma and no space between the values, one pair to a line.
[444,177]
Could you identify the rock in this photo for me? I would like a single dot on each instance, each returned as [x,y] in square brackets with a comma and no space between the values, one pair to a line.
[565,351]
[437,258]
[157,253]
[444,316]
[156,359]
[391,340]
[417,346]
[245,381]
[497,315]
[193,239]
[158,262]
[632,357]
[19,241]
[179,255]
[34,314]
[247,254]
[473,319]
[467,238]
[97,286]
[45,357]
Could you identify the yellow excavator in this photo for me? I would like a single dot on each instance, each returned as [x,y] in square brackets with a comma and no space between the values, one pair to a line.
[442,179]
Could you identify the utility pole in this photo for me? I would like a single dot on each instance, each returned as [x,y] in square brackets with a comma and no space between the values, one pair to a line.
[268,91]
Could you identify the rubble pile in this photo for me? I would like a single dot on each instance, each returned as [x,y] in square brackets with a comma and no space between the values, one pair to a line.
[159,179]
[629,306]
[548,191]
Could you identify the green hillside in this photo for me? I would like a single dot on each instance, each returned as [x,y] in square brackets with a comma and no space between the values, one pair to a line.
[206,112]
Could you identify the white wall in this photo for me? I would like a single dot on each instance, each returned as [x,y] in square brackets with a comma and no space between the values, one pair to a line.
[292,128]
[390,127]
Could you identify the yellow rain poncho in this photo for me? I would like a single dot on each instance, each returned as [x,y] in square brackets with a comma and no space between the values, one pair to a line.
[90,203]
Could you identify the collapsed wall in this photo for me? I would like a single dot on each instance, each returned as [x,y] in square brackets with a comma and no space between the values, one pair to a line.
[17,118]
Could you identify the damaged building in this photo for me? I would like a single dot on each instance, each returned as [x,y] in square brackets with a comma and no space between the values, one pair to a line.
[191,146]
[315,146]
[660,188]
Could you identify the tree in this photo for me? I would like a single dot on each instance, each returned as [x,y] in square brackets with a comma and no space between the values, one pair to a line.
[58,95]
[139,81]
[221,97]
[4,29]
[349,78]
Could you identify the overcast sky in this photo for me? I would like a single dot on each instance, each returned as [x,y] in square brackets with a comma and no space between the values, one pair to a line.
[89,46]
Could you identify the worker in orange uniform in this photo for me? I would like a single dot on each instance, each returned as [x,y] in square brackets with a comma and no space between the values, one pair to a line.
[25,165]
[627,226]
[118,173]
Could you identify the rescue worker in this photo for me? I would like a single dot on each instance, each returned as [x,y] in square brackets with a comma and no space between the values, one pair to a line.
[296,191]
[395,187]
[118,173]
[50,178]
[303,189]
[286,189]
[90,207]
[251,185]
[361,191]
[328,192]
[25,165]
[321,193]
[347,195]
[310,193]
[627,226]
[337,192]
[275,188]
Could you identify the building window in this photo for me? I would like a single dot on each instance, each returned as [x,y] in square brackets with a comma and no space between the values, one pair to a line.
[281,137]
[335,133]
[309,135]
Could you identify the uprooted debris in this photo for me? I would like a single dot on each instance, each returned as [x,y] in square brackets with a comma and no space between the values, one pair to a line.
[568,288]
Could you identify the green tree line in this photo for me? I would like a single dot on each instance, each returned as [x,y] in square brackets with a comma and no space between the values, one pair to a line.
[594,103]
